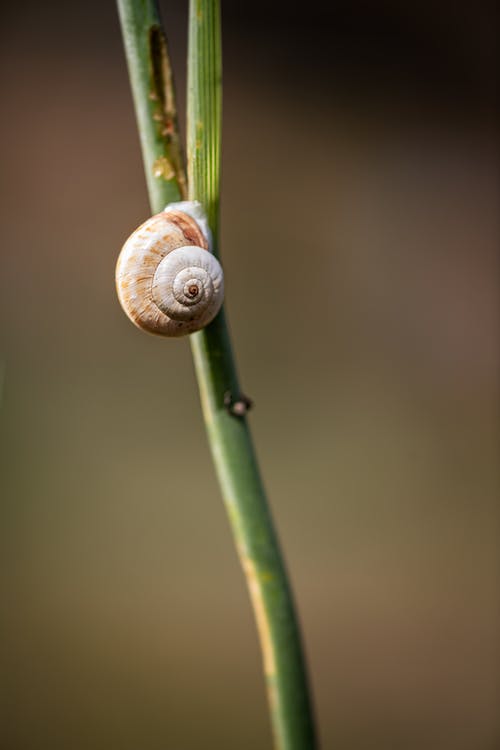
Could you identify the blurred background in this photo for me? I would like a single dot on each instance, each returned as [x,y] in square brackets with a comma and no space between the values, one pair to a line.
[360,169]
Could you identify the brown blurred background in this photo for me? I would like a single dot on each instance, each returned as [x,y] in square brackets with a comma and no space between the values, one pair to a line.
[360,169]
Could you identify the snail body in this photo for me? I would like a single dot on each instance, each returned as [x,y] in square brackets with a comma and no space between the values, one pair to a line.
[168,281]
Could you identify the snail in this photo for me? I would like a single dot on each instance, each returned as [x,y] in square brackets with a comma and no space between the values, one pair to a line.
[168,281]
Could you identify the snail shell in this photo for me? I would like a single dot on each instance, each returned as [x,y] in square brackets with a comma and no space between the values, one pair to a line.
[167,279]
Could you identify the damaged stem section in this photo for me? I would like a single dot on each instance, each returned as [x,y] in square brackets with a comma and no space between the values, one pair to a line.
[229,435]
[153,91]
[228,432]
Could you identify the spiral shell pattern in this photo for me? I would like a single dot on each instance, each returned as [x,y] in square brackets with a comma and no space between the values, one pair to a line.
[168,281]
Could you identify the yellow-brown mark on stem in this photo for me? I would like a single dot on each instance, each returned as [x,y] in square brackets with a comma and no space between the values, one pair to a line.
[163,168]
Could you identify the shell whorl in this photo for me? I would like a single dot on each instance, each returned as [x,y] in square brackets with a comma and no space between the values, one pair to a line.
[168,281]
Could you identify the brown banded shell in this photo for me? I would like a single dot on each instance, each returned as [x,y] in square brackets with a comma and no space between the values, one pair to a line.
[168,281]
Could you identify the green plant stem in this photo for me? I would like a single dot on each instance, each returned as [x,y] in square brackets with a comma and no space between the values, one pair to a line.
[228,435]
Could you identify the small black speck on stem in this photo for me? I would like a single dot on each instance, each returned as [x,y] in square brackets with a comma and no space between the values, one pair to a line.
[237,406]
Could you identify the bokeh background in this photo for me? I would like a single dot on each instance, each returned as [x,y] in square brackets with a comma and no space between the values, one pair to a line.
[360,232]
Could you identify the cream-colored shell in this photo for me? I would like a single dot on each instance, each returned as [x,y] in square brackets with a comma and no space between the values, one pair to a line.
[168,281]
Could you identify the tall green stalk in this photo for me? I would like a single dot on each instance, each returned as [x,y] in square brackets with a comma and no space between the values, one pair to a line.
[228,434]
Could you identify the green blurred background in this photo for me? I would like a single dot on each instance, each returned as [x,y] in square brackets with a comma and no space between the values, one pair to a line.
[360,172]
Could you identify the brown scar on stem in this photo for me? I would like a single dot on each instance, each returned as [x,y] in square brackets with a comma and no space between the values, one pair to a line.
[168,130]
[165,112]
